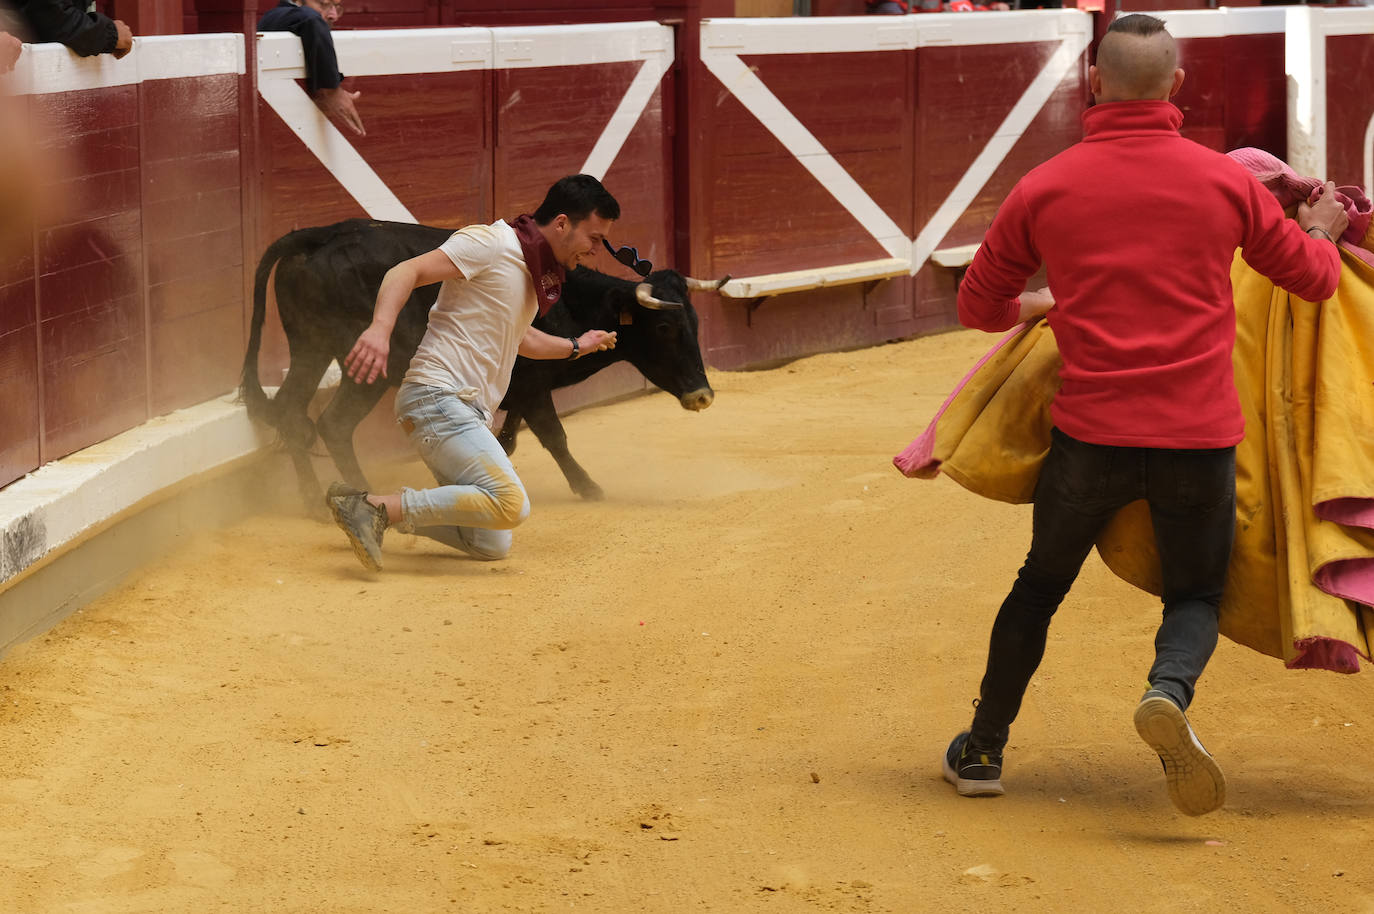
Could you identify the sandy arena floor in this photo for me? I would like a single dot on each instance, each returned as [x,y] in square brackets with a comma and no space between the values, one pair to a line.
[726,688]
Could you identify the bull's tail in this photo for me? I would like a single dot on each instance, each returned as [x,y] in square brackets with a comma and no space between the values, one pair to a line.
[260,407]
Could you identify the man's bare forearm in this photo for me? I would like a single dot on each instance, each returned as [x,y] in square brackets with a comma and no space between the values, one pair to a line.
[395,290]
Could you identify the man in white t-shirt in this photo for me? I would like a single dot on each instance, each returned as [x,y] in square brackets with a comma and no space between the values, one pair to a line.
[496,278]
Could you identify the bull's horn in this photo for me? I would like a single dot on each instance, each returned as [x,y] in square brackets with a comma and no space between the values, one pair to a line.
[645,293]
[705,285]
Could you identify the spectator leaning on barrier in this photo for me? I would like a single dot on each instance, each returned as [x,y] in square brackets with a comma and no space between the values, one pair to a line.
[67,22]
[310,21]
[1137,228]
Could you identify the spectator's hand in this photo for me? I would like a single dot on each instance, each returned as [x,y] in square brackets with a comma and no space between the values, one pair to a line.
[124,43]
[9,51]
[999,7]
[1322,210]
[338,103]
[367,359]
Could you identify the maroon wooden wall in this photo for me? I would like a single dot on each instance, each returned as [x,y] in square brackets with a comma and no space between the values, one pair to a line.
[1235,92]
[19,375]
[120,307]
[1350,109]
[88,266]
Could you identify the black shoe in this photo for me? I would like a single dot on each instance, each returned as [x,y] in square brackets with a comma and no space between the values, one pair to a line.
[974,772]
[1196,784]
[363,521]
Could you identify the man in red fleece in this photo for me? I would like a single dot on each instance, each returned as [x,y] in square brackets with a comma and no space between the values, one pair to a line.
[1137,228]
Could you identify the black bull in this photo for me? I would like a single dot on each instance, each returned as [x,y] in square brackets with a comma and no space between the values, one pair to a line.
[327,280]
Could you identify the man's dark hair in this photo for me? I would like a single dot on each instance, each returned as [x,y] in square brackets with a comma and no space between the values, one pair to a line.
[1138,24]
[577,197]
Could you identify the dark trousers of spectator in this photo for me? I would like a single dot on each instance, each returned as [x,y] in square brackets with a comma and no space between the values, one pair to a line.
[1192,499]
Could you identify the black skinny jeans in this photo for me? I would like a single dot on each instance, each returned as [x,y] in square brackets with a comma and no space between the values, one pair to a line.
[1192,498]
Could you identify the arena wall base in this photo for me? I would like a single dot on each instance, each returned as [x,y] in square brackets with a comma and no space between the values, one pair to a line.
[74,528]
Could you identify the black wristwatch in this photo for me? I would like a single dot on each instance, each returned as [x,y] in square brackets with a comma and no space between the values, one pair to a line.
[573,354]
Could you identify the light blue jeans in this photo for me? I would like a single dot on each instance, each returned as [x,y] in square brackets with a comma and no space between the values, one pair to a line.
[479,498]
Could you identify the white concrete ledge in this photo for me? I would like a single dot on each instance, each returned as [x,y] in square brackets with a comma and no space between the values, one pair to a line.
[821,277]
[55,507]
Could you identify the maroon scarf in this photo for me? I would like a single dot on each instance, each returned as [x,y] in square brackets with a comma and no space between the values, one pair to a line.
[544,268]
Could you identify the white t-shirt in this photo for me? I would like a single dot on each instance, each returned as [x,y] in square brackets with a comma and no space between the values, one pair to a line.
[477,322]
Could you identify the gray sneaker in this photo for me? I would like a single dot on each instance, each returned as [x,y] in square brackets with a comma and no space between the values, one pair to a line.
[1196,784]
[341,488]
[362,521]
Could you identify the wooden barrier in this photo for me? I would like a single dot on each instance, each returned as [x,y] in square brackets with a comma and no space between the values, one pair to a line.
[1235,90]
[843,170]
[134,280]
[835,154]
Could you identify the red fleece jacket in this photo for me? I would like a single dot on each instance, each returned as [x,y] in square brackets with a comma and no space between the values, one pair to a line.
[1137,228]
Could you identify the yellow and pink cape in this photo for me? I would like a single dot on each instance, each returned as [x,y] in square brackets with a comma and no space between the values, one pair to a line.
[1301,580]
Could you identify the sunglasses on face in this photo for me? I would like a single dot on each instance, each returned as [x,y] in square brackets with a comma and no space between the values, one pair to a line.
[629,257]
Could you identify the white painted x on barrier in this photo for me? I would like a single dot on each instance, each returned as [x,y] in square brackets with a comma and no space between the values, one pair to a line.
[390,52]
[724,41]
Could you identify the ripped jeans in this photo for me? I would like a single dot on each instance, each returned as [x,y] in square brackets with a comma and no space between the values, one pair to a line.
[479,497]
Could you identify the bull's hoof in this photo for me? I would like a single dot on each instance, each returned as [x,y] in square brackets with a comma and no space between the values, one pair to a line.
[313,500]
[317,510]
[590,491]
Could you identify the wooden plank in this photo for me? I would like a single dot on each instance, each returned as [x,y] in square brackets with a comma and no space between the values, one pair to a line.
[766,8]
[537,141]
[429,139]
[1349,106]
[818,278]
[83,286]
[771,215]
[19,418]
[93,375]
[190,364]
[1256,93]
[18,390]
[1204,94]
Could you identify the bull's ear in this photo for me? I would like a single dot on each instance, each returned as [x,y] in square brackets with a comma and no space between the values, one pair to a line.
[626,318]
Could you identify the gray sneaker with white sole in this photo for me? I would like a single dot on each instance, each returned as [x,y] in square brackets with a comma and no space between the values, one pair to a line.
[1196,784]
[363,521]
